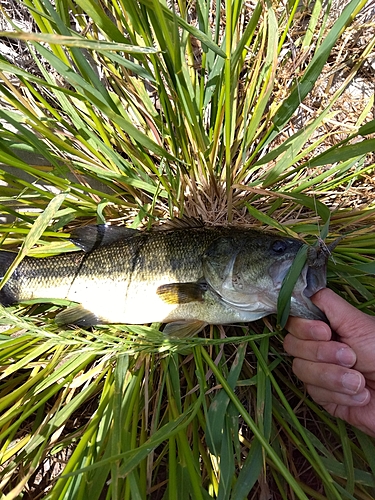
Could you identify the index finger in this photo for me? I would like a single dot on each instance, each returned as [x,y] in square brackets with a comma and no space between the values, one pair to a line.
[308,329]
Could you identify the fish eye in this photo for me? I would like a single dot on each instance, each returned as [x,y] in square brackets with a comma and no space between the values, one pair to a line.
[279,246]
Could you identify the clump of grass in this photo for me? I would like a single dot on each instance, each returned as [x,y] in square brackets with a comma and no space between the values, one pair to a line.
[139,111]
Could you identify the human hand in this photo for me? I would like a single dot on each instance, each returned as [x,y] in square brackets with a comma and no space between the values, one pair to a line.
[340,376]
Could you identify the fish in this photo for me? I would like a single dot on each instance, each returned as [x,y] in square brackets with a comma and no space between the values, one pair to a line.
[189,275]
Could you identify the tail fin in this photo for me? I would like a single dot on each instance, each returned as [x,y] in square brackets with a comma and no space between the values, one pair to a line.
[7,294]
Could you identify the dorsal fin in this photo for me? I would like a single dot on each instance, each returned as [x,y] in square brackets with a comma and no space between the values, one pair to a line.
[90,237]
[181,223]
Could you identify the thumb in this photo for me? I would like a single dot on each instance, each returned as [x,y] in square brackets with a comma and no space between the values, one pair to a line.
[345,319]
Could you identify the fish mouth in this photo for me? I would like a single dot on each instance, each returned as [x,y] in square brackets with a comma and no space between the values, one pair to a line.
[314,278]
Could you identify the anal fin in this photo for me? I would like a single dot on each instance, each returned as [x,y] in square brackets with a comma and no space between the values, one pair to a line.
[181,329]
[77,315]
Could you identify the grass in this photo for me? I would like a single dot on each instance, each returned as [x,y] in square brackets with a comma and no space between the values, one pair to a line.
[135,112]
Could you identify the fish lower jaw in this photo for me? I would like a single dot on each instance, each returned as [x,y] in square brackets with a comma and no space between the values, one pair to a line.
[304,308]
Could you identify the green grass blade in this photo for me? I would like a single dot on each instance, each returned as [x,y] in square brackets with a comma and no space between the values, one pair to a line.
[284,298]
[35,233]
[256,431]
[312,73]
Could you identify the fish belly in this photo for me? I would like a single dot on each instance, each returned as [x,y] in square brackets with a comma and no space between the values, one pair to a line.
[115,302]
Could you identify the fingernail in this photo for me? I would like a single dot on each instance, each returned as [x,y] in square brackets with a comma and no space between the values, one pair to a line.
[351,381]
[319,332]
[361,397]
[345,356]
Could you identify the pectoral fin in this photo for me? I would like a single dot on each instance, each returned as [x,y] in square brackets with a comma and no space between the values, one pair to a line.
[181,293]
[77,315]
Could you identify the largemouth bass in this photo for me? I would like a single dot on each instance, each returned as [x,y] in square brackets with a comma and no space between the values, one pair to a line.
[215,275]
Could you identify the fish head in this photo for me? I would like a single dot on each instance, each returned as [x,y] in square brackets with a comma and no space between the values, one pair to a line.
[247,272]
